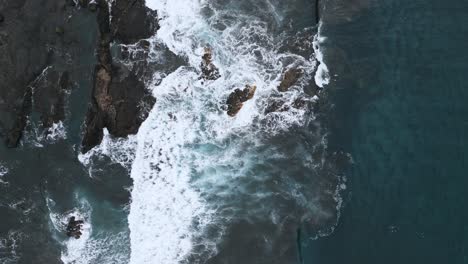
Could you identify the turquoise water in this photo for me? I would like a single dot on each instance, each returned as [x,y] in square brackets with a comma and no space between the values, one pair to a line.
[401,112]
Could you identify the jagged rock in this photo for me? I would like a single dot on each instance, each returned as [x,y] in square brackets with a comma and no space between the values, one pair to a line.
[276,106]
[120,101]
[74,227]
[132,21]
[280,105]
[29,45]
[237,99]
[290,77]
[14,134]
[300,103]
[209,70]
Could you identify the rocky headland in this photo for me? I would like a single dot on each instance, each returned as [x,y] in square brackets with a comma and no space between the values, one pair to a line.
[48,48]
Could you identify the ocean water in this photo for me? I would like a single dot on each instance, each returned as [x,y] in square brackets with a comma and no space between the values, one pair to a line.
[401,111]
[371,171]
[194,185]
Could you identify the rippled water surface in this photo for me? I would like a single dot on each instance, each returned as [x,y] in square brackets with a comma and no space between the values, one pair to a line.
[401,112]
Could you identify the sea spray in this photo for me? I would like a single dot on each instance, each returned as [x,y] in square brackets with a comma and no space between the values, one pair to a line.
[199,174]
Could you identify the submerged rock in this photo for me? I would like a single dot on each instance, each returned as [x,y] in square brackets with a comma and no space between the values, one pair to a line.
[238,97]
[290,78]
[209,70]
[276,106]
[280,105]
[2,18]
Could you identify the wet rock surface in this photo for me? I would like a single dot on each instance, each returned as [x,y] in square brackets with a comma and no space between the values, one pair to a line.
[209,70]
[74,227]
[120,102]
[132,21]
[44,53]
[37,46]
[238,97]
[290,78]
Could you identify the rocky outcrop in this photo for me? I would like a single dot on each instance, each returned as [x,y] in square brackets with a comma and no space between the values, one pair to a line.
[209,70]
[49,94]
[290,77]
[280,105]
[132,21]
[120,102]
[237,99]
[38,44]
[44,52]
[74,227]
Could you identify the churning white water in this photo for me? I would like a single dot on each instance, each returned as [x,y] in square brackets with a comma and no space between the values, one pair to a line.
[193,165]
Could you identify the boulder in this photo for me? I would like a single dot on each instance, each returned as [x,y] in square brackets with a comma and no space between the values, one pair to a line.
[237,99]
[290,78]
[209,70]
[74,227]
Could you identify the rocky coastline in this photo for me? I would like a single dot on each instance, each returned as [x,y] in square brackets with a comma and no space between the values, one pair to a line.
[46,47]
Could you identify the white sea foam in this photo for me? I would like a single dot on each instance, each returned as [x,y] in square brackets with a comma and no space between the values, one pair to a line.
[75,249]
[38,136]
[187,143]
[9,247]
[3,172]
[93,246]
[119,150]
[56,132]
[322,75]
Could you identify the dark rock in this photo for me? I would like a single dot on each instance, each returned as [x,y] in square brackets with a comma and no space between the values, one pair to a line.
[300,103]
[209,70]
[2,18]
[120,101]
[59,30]
[237,99]
[277,105]
[83,3]
[280,105]
[290,77]
[71,2]
[15,133]
[74,227]
[93,6]
[28,46]
[37,67]
[132,21]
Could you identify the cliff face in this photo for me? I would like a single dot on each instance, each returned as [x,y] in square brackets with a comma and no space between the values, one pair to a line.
[48,46]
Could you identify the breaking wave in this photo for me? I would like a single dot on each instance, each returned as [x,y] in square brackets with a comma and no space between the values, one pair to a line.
[198,172]
[200,176]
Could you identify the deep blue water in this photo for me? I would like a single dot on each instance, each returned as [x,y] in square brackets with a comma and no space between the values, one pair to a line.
[401,111]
